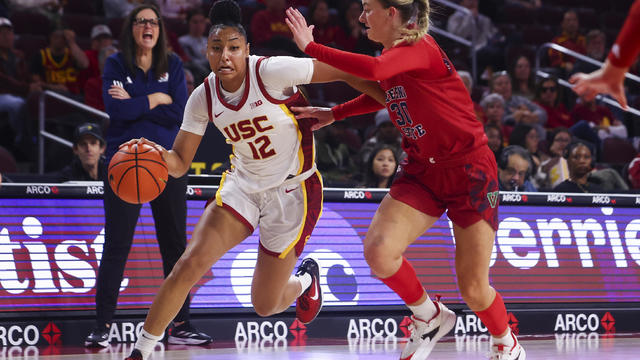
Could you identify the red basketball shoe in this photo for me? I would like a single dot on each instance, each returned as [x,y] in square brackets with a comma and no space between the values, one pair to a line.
[308,304]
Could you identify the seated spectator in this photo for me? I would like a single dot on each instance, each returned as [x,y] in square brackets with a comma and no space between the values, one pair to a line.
[15,85]
[554,170]
[101,38]
[595,122]
[494,135]
[522,79]
[324,32]
[517,108]
[93,86]
[571,39]
[88,163]
[269,31]
[548,98]
[333,157]
[351,32]
[490,44]
[580,162]
[527,137]
[57,65]
[514,169]
[194,44]
[188,77]
[468,83]
[385,133]
[381,167]
[596,48]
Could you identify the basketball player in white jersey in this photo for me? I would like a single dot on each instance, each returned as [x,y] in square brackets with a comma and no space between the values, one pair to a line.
[273,182]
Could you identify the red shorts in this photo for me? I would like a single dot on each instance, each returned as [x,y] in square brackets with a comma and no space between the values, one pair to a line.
[467,188]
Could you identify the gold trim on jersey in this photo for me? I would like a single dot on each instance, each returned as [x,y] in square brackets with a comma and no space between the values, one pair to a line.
[288,112]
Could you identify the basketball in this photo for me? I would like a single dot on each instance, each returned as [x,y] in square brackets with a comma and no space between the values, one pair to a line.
[137,173]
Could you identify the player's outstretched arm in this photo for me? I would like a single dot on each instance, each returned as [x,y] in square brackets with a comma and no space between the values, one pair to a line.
[606,80]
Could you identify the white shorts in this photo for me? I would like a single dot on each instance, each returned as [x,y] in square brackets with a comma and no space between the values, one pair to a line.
[286,214]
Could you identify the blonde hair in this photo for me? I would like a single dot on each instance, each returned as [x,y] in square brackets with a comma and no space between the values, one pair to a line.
[415,18]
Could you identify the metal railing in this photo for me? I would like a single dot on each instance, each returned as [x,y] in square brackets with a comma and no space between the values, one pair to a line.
[43,134]
[543,48]
[470,44]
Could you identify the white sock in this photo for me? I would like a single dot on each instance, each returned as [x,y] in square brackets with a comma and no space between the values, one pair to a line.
[305,282]
[424,311]
[505,340]
[146,342]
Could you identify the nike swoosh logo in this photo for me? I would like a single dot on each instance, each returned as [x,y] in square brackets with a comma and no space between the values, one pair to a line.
[218,114]
[431,334]
[289,190]
[315,293]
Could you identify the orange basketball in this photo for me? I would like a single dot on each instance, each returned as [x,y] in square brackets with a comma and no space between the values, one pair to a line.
[137,173]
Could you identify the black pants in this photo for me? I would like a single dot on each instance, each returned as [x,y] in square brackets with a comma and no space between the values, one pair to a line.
[170,217]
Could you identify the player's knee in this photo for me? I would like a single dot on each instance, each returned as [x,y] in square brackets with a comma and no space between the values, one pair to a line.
[377,256]
[189,269]
[474,292]
[264,308]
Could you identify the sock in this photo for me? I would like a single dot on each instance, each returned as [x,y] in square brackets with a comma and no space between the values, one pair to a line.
[506,340]
[146,342]
[424,311]
[495,316]
[305,282]
[405,283]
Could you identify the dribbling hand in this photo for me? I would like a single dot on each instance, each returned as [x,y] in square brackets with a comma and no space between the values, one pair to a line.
[142,140]
[302,34]
[324,115]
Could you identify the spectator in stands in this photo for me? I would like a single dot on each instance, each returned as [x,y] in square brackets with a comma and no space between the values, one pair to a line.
[333,156]
[494,135]
[101,37]
[571,39]
[517,108]
[269,31]
[468,83]
[633,173]
[554,170]
[548,98]
[493,107]
[580,162]
[381,167]
[15,85]
[177,9]
[324,32]
[194,44]
[93,86]
[596,48]
[527,137]
[529,4]
[385,133]
[523,81]
[114,9]
[514,169]
[595,122]
[351,32]
[57,66]
[188,78]
[490,44]
[88,163]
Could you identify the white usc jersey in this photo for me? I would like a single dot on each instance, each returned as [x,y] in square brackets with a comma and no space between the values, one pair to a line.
[269,144]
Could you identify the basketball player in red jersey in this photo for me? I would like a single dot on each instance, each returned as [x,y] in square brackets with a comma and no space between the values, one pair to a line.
[610,77]
[449,168]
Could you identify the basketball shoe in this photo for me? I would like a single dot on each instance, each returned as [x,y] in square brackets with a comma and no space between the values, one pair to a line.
[186,334]
[135,355]
[505,352]
[425,334]
[308,304]
[98,337]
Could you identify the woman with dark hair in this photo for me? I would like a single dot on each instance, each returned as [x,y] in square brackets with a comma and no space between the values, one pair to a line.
[548,96]
[381,167]
[495,139]
[351,34]
[273,184]
[523,82]
[319,16]
[144,93]
[580,159]
[554,170]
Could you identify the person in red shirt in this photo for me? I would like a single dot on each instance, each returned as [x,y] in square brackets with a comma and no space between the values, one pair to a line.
[571,39]
[268,29]
[610,77]
[449,168]
[547,97]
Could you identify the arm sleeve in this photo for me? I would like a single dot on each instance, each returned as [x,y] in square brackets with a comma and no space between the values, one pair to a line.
[282,72]
[120,110]
[363,104]
[171,115]
[196,113]
[396,61]
[627,45]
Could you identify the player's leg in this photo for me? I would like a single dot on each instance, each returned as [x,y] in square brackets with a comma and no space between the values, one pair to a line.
[473,255]
[394,227]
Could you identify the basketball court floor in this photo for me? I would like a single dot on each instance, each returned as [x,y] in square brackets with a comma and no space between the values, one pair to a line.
[569,346]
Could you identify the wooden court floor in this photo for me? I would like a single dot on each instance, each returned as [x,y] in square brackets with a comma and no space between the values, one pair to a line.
[570,346]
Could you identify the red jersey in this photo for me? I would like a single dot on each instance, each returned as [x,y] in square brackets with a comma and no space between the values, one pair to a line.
[627,45]
[425,98]
[63,72]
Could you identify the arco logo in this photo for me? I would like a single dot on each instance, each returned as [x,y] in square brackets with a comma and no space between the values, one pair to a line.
[404,326]
[52,334]
[513,323]
[608,323]
[299,332]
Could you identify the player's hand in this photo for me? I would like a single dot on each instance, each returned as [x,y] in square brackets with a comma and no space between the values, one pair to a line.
[607,80]
[142,140]
[118,92]
[302,34]
[324,115]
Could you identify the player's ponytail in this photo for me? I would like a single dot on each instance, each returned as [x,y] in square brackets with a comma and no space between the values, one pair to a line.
[226,13]
[415,18]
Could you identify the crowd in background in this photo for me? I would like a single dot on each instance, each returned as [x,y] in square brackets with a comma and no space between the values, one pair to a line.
[542,135]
